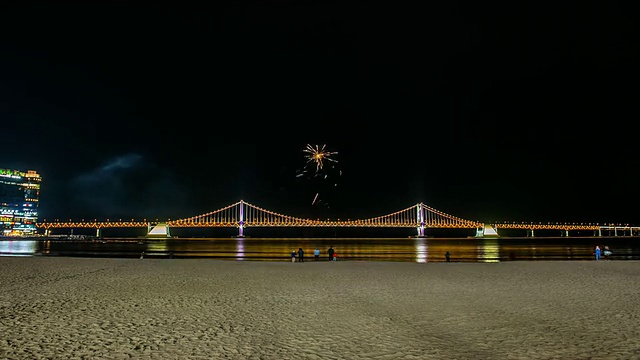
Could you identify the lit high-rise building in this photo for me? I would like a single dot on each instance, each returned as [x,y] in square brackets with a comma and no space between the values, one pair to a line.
[19,194]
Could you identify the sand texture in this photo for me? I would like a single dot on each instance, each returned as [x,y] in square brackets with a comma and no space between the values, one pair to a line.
[86,308]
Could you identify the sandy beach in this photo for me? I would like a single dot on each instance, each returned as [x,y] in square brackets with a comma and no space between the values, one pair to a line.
[86,308]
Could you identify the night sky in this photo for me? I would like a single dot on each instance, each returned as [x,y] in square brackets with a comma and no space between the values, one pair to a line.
[489,111]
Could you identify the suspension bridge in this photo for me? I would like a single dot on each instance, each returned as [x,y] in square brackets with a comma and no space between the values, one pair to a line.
[242,215]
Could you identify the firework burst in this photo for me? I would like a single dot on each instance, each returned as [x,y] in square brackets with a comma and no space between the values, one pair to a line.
[318,155]
[321,173]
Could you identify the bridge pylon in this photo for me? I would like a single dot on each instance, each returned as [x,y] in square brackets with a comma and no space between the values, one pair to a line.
[241,222]
[420,217]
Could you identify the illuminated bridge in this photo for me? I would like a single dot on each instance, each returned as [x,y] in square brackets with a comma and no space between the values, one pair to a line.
[243,215]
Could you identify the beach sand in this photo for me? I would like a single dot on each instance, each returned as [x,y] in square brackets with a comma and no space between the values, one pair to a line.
[86,308]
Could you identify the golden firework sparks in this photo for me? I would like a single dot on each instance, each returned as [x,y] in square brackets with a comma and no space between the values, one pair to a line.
[318,155]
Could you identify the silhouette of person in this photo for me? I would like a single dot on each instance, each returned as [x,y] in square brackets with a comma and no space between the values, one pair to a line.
[330,252]
[597,252]
[447,256]
[293,256]
[300,255]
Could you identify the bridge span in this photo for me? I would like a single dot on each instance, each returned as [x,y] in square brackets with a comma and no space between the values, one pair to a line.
[420,217]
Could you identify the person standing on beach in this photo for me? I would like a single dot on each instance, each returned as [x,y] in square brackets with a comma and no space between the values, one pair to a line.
[300,255]
[330,252]
[316,254]
[293,256]
[597,252]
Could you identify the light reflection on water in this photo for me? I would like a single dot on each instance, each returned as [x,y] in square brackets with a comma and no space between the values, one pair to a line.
[17,247]
[240,249]
[489,251]
[420,250]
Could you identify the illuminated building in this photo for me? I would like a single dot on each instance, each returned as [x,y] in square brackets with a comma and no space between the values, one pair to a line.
[19,193]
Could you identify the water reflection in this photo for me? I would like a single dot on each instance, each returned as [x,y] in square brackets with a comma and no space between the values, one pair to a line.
[240,249]
[420,250]
[46,247]
[157,246]
[489,251]
[17,247]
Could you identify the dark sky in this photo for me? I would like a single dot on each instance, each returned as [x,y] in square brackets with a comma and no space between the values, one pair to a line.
[489,111]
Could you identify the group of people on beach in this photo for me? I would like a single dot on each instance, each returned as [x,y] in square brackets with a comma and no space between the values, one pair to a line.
[299,255]
[600,253]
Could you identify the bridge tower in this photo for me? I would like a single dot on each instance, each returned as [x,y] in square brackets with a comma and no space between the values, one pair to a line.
[241,222]
[420,217]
